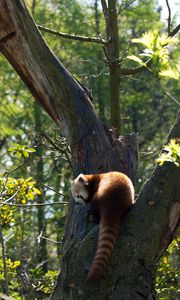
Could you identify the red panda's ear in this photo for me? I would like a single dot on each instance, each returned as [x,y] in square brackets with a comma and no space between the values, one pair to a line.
[83,179]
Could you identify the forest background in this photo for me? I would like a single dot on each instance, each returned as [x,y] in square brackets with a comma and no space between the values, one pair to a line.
[35,162]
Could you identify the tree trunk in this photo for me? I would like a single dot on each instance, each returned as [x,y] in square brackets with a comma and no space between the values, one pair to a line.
[99,81]
[112,56]
[42,255]
[148,227]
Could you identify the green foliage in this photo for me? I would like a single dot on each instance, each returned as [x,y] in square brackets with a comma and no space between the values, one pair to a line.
[171,153]
[11,266]
[21,150]
[6,216]
[168,274]
[11,269]
[47,282]
[156,49]
[21,189]
[44,282]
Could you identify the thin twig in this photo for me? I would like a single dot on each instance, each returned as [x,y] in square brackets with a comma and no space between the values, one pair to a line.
[50,188]
[10,198]
[13,170]
[50,240]
[174,31]
[59,149]
[34,205]
[126,6]
[169,95]
[132,71]
[73,36]
[172,97]
[169,16]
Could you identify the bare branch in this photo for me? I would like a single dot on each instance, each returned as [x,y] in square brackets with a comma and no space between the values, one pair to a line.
[169,16]
[72,36]
[13,170]
[47,239]
[132,71]
[174,31]
[50,188]
[169,95]
[34,205]
[10,198]
[126,6]
[172,97]
[59,149]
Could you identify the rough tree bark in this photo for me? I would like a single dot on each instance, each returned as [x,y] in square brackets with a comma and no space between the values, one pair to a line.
[149,226]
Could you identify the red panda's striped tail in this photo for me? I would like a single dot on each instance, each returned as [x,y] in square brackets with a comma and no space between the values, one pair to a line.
[106,241]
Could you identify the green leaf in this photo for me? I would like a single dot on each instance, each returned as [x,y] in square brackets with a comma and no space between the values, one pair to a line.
[171,72]
[135,58]
[25,153]
[172,154]
[155,49]
[16,263]
[30,150]
[38,192]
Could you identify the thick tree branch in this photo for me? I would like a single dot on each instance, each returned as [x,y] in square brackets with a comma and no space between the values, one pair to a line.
[52,85]
[72,36]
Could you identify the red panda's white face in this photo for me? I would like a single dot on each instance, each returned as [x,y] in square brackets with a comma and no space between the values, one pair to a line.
[79,190]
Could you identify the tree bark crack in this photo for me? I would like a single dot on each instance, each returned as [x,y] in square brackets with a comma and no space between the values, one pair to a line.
[7,37]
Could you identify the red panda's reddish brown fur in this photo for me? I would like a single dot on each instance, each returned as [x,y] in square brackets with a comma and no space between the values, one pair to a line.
[111,195]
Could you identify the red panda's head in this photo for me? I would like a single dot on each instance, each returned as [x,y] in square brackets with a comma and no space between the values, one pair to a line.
[79,189]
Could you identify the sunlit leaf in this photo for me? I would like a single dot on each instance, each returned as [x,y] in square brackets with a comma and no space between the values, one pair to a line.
[172,154]
[135,58]
[25,153]
[156,49]
[171,72]
[38,192]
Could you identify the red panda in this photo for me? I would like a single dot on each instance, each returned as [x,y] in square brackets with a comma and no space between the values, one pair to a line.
[111,194]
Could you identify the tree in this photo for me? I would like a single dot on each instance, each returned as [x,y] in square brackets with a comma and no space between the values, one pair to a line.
[94,148]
